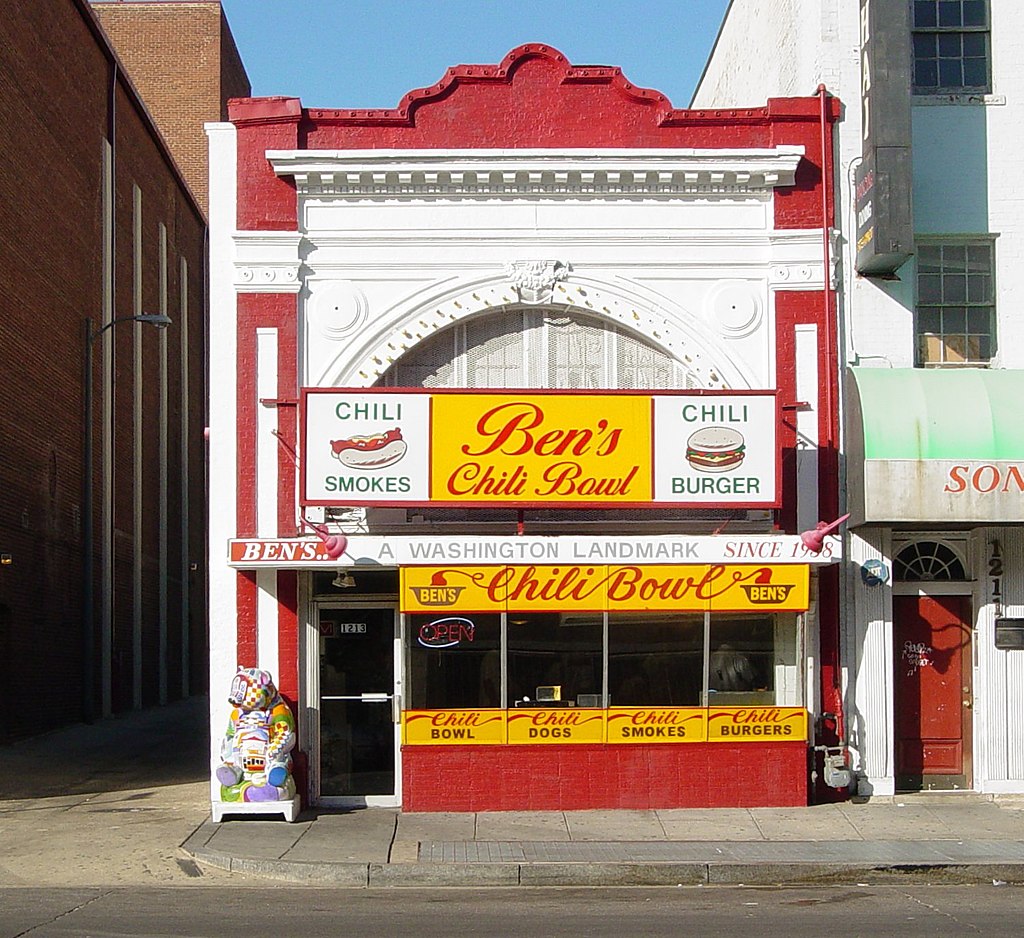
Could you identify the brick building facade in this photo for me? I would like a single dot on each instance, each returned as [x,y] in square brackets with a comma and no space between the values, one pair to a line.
[97,223]
[154,39]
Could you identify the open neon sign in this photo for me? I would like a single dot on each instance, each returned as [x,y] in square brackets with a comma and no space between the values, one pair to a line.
[446,633]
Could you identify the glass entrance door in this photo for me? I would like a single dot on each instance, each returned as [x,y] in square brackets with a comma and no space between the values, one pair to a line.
[358,730]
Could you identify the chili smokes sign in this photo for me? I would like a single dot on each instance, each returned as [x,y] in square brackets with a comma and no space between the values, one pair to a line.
[481,448]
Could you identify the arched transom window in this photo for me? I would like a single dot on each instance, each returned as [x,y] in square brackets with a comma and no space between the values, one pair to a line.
[537,348]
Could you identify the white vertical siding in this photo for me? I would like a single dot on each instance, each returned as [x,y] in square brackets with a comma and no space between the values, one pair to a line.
[869,718]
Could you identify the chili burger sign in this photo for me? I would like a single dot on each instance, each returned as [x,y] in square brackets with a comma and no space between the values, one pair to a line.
[482,448]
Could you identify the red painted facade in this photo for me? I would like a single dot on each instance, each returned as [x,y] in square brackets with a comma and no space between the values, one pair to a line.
[557,778]
[535,99]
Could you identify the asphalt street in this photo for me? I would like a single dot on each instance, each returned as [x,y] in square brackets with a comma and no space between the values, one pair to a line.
[249,910]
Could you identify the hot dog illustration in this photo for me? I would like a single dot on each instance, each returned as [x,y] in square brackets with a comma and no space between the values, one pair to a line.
[370,452]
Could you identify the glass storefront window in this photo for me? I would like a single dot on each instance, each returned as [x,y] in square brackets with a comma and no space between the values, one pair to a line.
[741,660]
[548,650]
[655,661]
[454,661]
[632,660]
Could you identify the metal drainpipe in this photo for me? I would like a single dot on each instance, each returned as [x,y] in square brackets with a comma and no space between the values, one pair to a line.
[831,358]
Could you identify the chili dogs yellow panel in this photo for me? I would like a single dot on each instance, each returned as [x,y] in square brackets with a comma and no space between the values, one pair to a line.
[555,725]
[656,725]
[453,727]
[757,724]
[684,588]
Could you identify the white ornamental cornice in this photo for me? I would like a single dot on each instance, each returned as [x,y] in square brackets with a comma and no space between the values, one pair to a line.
[600,174]
[267,262]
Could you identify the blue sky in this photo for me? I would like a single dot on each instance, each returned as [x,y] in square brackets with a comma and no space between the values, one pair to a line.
[368,53]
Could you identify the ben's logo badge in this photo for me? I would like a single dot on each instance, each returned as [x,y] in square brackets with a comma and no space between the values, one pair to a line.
[767,594]
[437,595]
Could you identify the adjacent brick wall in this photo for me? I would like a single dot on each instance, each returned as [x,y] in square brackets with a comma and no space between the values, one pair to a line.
[56,65]
[182,59]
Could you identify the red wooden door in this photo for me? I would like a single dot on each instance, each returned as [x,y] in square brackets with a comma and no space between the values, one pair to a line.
[932,660]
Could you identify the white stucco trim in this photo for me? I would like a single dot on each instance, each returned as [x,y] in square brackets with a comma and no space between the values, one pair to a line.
[223,468]
[601,173]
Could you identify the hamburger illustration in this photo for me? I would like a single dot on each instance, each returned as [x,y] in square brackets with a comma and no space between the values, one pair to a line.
[370,452]
[715,449]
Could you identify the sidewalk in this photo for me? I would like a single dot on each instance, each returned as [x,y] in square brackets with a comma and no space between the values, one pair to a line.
[969,841]
[126,801]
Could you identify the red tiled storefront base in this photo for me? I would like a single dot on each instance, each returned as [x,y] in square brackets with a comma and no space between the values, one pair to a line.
[578,777]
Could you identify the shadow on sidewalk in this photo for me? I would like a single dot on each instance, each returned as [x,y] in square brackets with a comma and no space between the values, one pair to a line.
[144,749]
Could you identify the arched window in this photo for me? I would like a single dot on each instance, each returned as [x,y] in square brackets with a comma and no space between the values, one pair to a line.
[537,348]
[929,561]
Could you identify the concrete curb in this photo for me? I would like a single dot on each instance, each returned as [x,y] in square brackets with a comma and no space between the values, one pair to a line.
[388,875]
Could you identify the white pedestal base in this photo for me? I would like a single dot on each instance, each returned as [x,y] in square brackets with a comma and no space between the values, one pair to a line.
[290,809]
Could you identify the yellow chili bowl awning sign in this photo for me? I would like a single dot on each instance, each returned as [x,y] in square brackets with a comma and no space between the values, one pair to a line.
[584,588]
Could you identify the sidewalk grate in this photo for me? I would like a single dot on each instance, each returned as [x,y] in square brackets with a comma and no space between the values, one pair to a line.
[880,852]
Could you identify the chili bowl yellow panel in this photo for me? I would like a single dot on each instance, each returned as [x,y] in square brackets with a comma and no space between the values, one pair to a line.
[453,727]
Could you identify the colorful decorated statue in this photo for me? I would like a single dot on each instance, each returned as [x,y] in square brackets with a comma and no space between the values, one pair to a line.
[261,733]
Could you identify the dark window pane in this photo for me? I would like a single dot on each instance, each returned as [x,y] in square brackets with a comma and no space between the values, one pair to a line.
[929,288]
[979,289]
[949,46]
[975,73]
[954,288]
[984,347]
[975,13]
[949,12]
[924,46]
[978,321]
[979,257]
[929,258]
[926,74]
[950,73]
[924,13]
[954,319]
[929,320]
[954,258]
[974,45]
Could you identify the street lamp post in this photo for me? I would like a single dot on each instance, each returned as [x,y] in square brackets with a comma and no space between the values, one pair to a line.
[89,336]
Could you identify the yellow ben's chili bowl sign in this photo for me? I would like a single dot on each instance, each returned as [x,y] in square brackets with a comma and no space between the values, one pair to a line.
[683,588]
[547,449]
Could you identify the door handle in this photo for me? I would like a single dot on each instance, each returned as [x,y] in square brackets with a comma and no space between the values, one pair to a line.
[967,704]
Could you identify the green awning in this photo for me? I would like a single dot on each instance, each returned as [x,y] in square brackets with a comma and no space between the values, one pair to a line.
[923,413]
[935,444]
